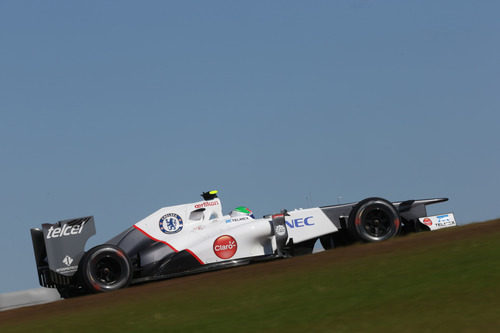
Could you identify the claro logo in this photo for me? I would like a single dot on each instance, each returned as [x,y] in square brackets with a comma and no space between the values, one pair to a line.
[65,230]
[225,247]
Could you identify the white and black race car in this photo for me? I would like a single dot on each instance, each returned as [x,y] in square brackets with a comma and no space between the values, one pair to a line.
[197,237]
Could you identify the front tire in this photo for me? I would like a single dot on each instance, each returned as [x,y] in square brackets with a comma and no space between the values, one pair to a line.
[105,268]
[374,220]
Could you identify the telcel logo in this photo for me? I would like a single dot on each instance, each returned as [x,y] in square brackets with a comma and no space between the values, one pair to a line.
[66,230]
[300,223]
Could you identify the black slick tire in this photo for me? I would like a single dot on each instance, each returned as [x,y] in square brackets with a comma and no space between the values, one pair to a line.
[105,268]
[374,220]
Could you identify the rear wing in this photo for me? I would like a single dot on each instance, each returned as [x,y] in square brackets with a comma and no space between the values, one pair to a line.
[59,247]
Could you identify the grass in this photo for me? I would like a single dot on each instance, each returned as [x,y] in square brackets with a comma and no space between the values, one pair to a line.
[449,286]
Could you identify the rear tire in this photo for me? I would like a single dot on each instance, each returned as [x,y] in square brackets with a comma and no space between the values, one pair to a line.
[374,220]
[105,268]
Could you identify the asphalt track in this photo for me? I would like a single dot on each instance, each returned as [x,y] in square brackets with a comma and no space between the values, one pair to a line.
[244,273]
[29,297]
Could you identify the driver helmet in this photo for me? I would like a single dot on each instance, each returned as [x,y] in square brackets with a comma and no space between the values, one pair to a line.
[242,211]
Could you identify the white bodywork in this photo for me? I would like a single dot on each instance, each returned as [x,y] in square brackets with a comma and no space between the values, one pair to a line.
[203,227]
[203,224]
[305,224]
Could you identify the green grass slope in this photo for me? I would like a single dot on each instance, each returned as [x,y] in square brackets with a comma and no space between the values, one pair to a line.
[446,280]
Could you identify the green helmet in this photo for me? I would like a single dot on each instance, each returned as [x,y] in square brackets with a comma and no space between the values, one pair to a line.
[242,211]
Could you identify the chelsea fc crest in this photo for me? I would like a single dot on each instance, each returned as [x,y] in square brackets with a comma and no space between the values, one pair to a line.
[171,223]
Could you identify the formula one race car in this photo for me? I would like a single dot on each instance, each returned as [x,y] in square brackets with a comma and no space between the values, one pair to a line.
[197,237]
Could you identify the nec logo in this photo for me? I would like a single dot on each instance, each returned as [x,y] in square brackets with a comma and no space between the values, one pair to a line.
[300,223]
[66,230]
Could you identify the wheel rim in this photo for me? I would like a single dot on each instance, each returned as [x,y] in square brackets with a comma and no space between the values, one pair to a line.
[374,220]
[377,222]
[107,270]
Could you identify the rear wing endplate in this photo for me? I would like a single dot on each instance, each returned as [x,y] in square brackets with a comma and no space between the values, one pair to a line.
[59,247]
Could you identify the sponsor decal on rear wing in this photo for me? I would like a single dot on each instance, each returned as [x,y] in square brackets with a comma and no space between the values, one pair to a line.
[65,243]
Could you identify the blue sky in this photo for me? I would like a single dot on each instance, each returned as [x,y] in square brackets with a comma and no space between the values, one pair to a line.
[117,108]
